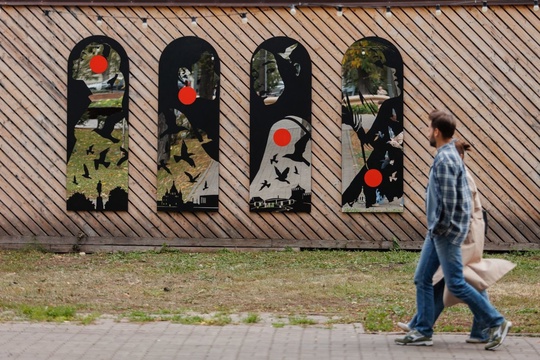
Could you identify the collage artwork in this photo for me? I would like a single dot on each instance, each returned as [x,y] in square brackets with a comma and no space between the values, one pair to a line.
[280,127]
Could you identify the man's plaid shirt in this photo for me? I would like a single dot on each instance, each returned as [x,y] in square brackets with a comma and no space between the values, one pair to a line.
[448,197]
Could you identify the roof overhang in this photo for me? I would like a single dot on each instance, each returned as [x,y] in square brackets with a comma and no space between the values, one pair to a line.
[268,3]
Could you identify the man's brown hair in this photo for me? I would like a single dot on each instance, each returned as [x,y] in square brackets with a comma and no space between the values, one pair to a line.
[444,122]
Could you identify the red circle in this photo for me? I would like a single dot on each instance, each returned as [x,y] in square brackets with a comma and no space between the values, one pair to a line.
[373,178]
[98,64]
[187,95]
[282,137]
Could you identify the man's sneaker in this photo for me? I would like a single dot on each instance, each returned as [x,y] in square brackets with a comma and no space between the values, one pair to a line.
[415,338]
[403,326]
[497,335]
[473,340]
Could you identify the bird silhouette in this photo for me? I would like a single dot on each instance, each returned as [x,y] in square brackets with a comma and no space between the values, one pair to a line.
[205,185]
[296,170]
[386,161]
[86,172]
[274,160]
[108,126]
[282,175]
[288,51]
[90,149]
[264,184]
[396,141]
[163,165]
[172,127]
[393,177]
[299,148]
[390,132]
[185,155]
[111,81]
[124,156]
[192,178]
[101,159]
[75,180]
[297,69]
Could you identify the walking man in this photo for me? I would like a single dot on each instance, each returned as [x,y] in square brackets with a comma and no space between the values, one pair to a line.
[448,210]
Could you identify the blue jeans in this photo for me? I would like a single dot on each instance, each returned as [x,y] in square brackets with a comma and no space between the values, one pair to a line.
[438,251]
[477,329]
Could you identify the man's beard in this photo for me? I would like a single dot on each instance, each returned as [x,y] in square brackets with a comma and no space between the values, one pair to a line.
[432,141]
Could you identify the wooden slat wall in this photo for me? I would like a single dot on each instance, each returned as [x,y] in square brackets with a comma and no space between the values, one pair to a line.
[481,66]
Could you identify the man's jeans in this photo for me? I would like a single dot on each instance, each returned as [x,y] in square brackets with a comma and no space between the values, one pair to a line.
[477,329]
[438,251]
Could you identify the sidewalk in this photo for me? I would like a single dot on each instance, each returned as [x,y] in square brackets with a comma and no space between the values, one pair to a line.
[108,339]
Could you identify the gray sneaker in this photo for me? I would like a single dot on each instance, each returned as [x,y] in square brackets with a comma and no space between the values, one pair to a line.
[404,326]
[414,338]
[473,340]
[497,335]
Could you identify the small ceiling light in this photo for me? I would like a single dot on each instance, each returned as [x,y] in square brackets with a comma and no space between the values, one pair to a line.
[99,20]
[193,21]
[244,18]
[144,23]
[388,12]
[535,7]
[484,6]
[293,10]
[438,10]
[339,11]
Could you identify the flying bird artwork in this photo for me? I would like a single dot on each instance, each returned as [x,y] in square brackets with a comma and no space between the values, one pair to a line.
[124,156]
[192,178]
[282,175]
[299,149]
[101,159]
[185,155]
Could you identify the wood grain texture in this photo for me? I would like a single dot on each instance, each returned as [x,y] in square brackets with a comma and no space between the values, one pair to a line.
[481,66]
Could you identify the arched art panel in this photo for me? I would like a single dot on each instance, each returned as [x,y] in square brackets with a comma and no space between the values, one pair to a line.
[372,127]
[280,127]
[97,126]
[188,127]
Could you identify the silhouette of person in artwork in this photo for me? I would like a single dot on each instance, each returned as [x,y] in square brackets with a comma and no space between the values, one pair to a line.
[387,154]
[294,65]
[79,92]
[80,71]
[203,113]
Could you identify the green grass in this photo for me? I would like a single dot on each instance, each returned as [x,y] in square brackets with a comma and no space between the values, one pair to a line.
[301,320]
[47,313]
[374,288]
[251,318]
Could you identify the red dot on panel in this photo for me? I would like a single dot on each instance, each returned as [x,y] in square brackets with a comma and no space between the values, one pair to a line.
[98,64]
[187,95]
[282,137]
[373,178]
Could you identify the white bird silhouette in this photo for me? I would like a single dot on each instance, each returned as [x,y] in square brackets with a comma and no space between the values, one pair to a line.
[396,141]
[288,51]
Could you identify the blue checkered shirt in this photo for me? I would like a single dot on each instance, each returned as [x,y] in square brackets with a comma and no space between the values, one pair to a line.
[448,197]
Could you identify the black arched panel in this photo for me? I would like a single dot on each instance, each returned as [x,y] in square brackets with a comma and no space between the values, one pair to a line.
[372,127]
[188,127]
[280,127]
[97,126]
